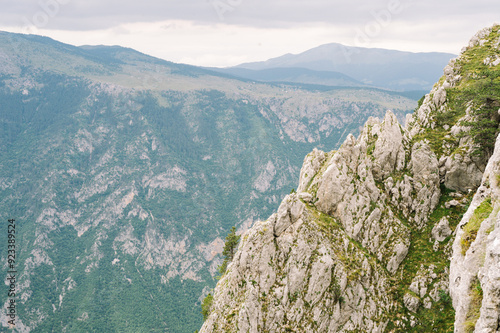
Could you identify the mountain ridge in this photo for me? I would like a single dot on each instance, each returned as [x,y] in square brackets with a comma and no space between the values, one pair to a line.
[390,69]
[297,75]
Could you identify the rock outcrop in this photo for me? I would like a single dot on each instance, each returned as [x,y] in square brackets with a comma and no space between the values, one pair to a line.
[366,243]
[475,265]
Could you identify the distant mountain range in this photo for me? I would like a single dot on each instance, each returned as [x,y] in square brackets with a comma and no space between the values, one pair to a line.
[339,65]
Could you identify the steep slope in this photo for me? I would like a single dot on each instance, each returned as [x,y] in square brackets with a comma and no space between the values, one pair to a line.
[366,243]
[377,67]
[125,172]
[474,276]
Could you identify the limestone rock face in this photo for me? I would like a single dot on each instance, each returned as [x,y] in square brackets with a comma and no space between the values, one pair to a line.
[389,153]
[347,191]
[300,278]
[479,265]
[324,261]
[289,212]
[310,168]
[462,174]
[424,166]
[411,302]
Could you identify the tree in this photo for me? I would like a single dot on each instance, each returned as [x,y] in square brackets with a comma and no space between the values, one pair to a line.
[206,306]
[229,249]
[484,94]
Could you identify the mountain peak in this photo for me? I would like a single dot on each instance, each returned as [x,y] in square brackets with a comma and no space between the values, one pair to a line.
[389,69]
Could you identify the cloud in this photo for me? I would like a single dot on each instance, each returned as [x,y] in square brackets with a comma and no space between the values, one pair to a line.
[227,32]
[98,14]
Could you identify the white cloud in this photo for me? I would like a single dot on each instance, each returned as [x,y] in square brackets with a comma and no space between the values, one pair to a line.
[200,44]
[201,32]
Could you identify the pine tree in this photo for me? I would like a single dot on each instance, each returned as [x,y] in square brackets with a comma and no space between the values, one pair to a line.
[484,93]
[206,306]
[229,249]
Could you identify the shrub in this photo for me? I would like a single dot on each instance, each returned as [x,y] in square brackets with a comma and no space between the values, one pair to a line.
[229,250]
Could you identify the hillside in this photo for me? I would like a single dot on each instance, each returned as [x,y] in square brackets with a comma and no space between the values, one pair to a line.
[384,230]
[125,172]
[294,75]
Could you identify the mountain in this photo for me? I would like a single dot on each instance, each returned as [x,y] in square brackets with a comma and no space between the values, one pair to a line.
[124,173]
[382,231]
[389,69]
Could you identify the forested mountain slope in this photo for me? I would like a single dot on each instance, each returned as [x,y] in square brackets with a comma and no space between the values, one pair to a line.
[125,172]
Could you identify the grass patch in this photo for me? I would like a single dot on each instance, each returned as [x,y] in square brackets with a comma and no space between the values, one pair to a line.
[441,317]
[472,227]
[476,294]
[436,138]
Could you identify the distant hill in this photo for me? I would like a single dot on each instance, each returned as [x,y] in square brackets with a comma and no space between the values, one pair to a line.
[293,75]
[390,69]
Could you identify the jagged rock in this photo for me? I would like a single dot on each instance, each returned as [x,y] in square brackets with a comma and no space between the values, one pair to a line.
[417,196]
[489,275]
[331,265]
[427,303]
[412,303]
[439,97]
[271,276]
[310,167]
[307,197]
[348,197]
[424,164]
[389,153]
[478,39]
[401,250]
[441,230]
[287,258]
[289,212]
[462,174]
[451,203]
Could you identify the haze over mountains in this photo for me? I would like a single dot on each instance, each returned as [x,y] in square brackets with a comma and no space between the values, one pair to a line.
[339,65]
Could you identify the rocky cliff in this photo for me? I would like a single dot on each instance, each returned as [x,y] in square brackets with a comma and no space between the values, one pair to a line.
[381,232]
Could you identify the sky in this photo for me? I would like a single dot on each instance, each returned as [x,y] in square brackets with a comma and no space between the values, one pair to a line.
[222,33]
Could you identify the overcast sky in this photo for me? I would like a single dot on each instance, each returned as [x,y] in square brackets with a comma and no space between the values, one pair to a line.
[228,32]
